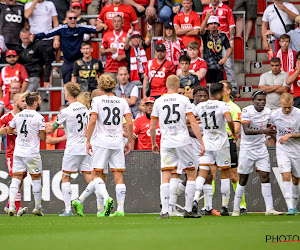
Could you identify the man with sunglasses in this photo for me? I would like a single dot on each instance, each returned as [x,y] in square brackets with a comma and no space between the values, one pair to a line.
[71,37]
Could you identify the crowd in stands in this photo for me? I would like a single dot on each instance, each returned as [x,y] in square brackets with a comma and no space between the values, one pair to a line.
[197,48]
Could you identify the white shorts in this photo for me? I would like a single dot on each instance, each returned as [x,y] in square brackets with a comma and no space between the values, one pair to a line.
[288,164]
[259,158]
[220,157]
[182,157]
[32,165]
[102,157]
[72,163]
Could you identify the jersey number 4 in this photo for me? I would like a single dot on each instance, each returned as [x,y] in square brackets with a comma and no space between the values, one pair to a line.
[213,116]
[113,116]
[24,128]
[171,110]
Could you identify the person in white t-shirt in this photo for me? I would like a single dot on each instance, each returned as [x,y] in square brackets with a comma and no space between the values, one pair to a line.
[253,151]
[214,114]
[75,157]
[30,128]
[287,122]
[176,151]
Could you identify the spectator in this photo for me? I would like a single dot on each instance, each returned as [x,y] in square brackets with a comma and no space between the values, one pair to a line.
[117,8]
[213,43]
[197,65]
[142,109]
[12,21]
[143,7]
[287,56]
[172,42]
[187,24]
[135,50]
[92,7]
[157,71]
[141,128]
[227,25]
[87,69]
[13,72]
[127,90]
[3,47]
[288,13]
[169,9]
[188,81]
[77,7]
[62,7]
[293,81]
[32,56]
[71,38]
[250,7]
[41,15]
[7,102]
[113,44]
[272,83]
[56,140]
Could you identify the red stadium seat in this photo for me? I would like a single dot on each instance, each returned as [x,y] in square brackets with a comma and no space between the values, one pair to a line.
[261,6]
[239,48]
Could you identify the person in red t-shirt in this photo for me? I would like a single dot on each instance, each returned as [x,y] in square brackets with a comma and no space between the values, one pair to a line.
[157,71]
[141,128]
[287,56]
[13,72]
[109,11]
[112,46]
[7,103]
[293,81]
[19,105]
[198,66]
[187,24]
[143,7]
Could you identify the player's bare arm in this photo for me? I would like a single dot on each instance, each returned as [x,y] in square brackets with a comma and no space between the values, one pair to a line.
[129,128]
[153,123]
[284,138]
[3,130]
[50,128]
[197,132]
[43,135]
[231,125]
[90,131]
[248,131]
[10,130]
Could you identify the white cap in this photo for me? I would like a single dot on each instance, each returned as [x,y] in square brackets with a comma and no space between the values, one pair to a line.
[213,19]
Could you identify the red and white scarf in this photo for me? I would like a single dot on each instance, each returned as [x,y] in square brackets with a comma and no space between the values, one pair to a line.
[290,60]
[138,61]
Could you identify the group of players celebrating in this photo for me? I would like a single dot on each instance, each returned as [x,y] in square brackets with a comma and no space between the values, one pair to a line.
[94,131]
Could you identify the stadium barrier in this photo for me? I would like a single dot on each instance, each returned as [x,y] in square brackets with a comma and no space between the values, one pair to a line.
[142,180]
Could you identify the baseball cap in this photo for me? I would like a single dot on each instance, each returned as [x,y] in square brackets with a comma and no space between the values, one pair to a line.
[149,99]
[169,25]
[213,19]
[11,53]
[160,47]
[135,34]
[76,4]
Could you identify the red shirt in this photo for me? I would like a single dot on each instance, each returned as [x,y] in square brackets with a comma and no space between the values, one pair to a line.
[296,84]
[18,73]
[5,120]
[109,11]
[224,13]
[108,41]
[174,49]
[141,128]
[143,2]
[196,66]
[284,60]
[62,144]
[192,20]
[158,84]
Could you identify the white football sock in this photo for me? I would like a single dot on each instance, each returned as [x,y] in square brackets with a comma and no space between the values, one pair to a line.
[287,193]
[18,197]
[100,202]
[13,190]
[239,192]
[174,187]
[67,193]
[120,194]
[189,195]
[101,188]
[164,197]
[208,192]
[267,194]
[225,191]
[199,186]
[37,192]
[90,188]
[296,193]
[181,189]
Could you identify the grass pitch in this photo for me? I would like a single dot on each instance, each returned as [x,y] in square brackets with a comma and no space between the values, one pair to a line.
[144,231]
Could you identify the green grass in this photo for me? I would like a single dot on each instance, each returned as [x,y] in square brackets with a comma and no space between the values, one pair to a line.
[146,232]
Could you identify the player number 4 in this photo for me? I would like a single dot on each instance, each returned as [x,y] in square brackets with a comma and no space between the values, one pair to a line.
[24,128]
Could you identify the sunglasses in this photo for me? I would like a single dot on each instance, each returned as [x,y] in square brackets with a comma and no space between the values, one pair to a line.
[72,18]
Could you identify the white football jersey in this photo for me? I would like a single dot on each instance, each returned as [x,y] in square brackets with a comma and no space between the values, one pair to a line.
[87,121]
[212,117]
[171,110]
[258,121]
[287,124]
[28,124]
[110,111]
[195,141]
[73,119]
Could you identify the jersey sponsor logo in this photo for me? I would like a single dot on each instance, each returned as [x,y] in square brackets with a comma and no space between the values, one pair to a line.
[298,83]
[157,132]
[287,131]
[8,80]
[186,19]
[186,26]
[13,18]
[121,45]
[159,74]
[111,15]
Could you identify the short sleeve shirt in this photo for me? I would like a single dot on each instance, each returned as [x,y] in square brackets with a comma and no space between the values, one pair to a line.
[296,84]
